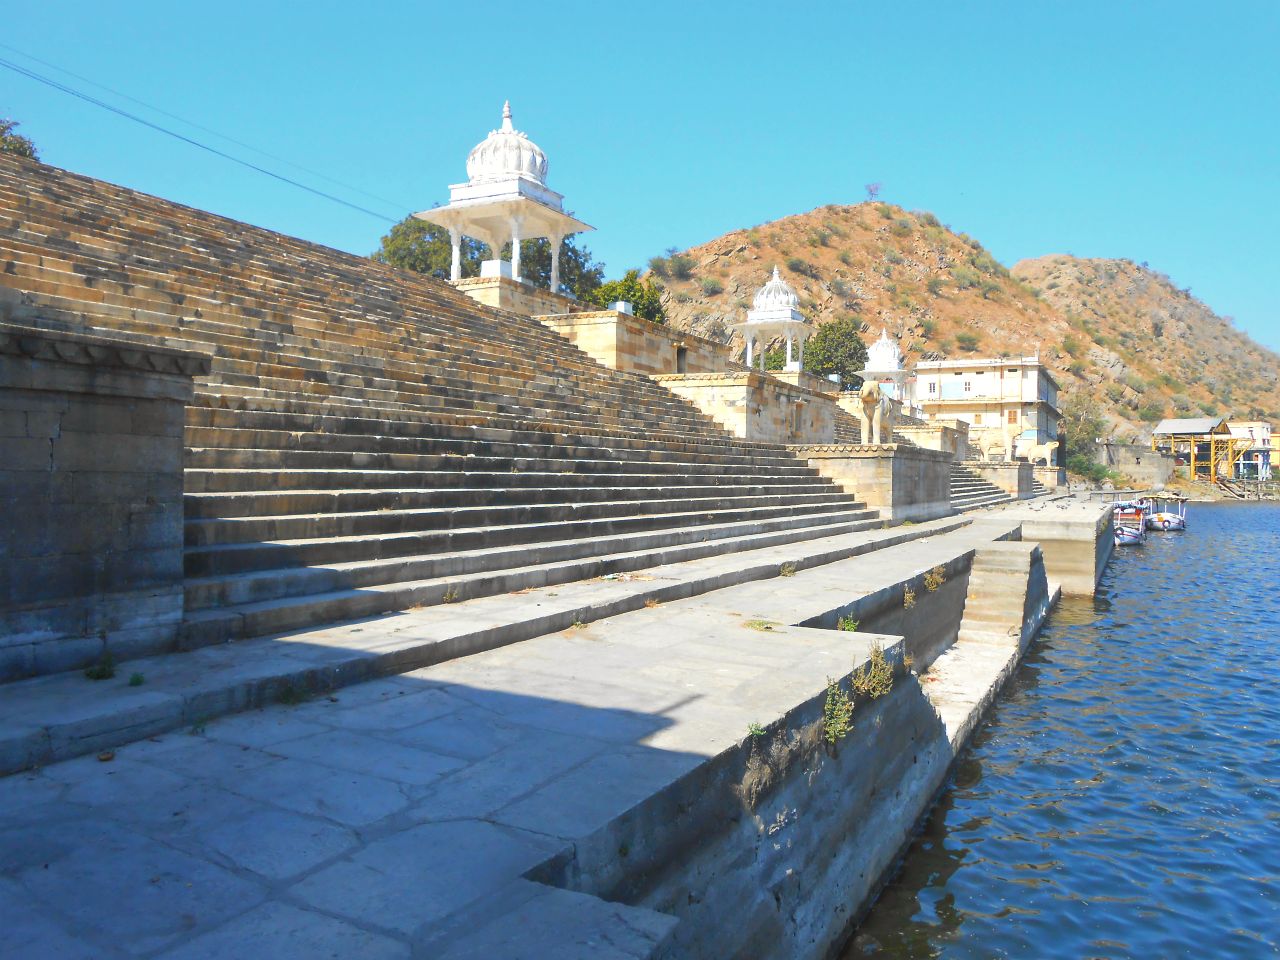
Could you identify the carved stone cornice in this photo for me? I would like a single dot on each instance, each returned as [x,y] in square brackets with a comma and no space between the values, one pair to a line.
[98,350]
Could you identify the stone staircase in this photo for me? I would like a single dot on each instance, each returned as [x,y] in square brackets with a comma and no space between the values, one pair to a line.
[1008,594]
[970,492]
[370,441]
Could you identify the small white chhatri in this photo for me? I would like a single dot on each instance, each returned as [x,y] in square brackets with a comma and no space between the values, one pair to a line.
[775,312]
[505,200]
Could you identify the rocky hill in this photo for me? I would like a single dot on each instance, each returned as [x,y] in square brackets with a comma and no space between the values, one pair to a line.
[1151,348]
[1110,328]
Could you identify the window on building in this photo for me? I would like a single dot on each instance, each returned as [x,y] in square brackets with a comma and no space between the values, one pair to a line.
[1013,416]
[977,419]
[933,387]
[968,386]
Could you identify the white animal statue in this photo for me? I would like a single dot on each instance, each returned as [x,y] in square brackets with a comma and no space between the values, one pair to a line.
[1042,451]
[991,440]
[876,414]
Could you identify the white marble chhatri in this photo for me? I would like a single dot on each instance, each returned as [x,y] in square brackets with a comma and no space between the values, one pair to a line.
[505,200]
[775,312]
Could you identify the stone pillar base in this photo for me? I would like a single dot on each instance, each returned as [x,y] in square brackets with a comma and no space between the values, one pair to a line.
[903,483]
[90,497]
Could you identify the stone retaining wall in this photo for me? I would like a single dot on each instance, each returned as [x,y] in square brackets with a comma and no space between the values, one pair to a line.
[756,406]
[903,483]
[91,497]
[515,296]
[624,342]
[1014,477]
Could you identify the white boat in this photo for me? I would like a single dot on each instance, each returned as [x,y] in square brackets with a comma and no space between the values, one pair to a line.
[1164,511]
[1129,523]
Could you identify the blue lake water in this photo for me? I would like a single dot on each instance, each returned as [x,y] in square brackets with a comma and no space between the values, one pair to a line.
[1123,799]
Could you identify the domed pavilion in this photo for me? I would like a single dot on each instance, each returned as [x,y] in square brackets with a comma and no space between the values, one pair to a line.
[775,312]
[505,200]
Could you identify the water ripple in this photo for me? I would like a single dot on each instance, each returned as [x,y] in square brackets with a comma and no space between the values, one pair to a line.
[1124,798]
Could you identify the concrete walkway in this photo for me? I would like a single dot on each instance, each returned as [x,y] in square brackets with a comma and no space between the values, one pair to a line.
[405,817]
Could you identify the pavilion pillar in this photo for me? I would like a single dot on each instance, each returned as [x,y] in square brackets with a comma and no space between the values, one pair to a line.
[788,350]
[515,248]
[555,242]
[455,269]
[750,340]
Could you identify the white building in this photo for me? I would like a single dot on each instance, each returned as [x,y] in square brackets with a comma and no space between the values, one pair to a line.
[1256,462]
[1013,397]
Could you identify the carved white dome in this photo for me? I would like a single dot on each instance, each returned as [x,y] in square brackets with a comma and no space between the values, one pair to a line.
[506,153]
[776,295]
[884,354]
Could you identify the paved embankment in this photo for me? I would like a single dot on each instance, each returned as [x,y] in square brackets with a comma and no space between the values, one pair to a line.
[61,716]
[406,816]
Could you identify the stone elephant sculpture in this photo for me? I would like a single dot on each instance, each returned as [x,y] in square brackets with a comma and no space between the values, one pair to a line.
[1042,451]
[876,414]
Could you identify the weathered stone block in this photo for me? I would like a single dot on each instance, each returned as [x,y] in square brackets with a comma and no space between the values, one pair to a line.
[903,483]
[92,491]
[756,406]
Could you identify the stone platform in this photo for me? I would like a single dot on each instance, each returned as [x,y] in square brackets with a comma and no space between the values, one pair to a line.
[526,801]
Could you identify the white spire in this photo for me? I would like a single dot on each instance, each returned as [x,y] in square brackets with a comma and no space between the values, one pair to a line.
[506,117]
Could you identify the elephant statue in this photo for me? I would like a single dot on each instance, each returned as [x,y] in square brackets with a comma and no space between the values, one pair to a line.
[990,440]
[1042,451]
[876,414]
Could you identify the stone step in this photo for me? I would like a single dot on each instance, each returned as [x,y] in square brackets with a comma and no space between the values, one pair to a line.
[261,439]
[364,421]
[62,716]
[384,588]
[587,461]
[205,592]
[246,529]
[225,558]
[201,482]
[263,502]
[655,396]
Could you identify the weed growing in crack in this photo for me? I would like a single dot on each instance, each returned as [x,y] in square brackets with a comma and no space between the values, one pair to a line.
[908,598]
[875,677]
[847,623]
[787,570]
[136,679]
[934,579]
[755,730]
[837,713]
[450,596]
[763,625]
[104,668]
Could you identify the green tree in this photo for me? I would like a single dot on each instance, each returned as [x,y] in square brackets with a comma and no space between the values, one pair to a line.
[775,359]
[11,142]
[1082,423]
[837,348]
[645,296]
[422,247]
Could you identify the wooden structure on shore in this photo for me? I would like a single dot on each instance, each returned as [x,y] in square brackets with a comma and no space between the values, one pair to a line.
[1202,444]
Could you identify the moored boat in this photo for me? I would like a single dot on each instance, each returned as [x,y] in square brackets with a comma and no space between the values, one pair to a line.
[1129,523]
[1165,511]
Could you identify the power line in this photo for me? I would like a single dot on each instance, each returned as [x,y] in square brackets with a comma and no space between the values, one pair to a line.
[23,71]
[192,123]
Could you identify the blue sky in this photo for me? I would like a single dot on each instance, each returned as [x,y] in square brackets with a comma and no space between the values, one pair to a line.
[1148,130]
